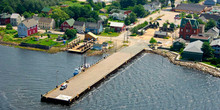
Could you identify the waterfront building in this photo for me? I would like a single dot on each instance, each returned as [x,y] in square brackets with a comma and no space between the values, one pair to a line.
[178,44]
[46,23]
[118,27]
[90,36]
[191,8]
[216,46]
[15,19]
[193,51]
[68,24]
[95,28]
[5,18]
[79,26]
[188,27]
[27,28]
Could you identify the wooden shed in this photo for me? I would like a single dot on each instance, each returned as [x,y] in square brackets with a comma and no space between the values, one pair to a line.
[90,36]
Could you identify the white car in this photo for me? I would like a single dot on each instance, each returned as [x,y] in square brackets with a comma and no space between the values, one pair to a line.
[63,86]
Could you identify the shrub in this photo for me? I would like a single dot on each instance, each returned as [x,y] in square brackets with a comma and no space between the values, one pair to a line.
[10,31]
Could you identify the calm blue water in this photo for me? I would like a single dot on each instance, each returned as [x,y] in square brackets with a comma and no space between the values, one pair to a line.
[150,82]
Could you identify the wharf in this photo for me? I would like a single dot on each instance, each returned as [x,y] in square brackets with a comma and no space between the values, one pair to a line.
[81,83]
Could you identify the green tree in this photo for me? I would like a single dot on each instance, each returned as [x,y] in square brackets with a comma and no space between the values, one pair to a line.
[189,16]
[139,10]
[172,3]
[207,50]
[172,25]
[71,33]
[132,17]
[26,14]
[210,24]
[134,30]
[103,4]
[200,21]
[91,20]
[9,27]
[82,19]
[153,41]
[127,3]
[182,14]
[142,2]
[195,16]
[165,25]
[127,21]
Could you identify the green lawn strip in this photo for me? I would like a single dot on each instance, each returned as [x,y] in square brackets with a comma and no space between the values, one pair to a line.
[115,20]
[114,34]
[105,14]
[209,63]
[70,3]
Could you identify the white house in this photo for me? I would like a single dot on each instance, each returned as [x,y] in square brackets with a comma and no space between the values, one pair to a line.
[79,26]
[15,19]
[216,46]
[118,16]
[46,23]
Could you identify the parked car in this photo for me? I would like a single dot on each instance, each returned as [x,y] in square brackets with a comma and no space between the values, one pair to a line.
[159,42]
[63,86]
[177,17]
[159,19]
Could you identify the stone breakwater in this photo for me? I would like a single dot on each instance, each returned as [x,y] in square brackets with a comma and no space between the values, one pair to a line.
[173,57]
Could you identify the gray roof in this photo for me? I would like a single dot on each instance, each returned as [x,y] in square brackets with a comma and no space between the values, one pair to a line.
[180,40]
[211,16]
[215,42]
[160,33]
[191,7]
[194,47]
[45,20]
[203,19]
[92,25]
[210,2]
[29,23]
[15,15]
[214,32]
[116,24]
[78,23]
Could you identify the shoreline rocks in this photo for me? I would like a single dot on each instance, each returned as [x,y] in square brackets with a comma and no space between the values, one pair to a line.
[189,64]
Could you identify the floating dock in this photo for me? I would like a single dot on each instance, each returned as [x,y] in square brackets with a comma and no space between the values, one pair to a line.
[83,82]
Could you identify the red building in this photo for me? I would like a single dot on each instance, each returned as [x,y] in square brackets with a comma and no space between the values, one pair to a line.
[5,18]
[27,28]
[117,26]
[188,27]
[68,24]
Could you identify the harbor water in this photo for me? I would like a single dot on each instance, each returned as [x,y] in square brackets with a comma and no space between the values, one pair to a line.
[149,82]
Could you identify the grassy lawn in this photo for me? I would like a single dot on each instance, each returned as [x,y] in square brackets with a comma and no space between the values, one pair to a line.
[105,14]
[114,34]
[115,20]
[209,63]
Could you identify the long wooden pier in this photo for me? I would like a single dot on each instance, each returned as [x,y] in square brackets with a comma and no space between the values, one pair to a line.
[83,82]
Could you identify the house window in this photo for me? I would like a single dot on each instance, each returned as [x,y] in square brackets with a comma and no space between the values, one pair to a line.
[181,30]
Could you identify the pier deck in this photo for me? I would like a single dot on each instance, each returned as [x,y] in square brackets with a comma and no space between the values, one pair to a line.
[83,81]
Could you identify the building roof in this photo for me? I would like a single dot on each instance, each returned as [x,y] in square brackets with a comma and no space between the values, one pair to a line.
[211,16]
[210,2]
[103,10]
[92,25]
[14,15]
[199,37]
[116,24]
[5,15]
[190,7]
[194,47]
[194,23]
[46,9]
[70,21]
[160,33]
[203,19]
[215,42]
[213,30]
[78,23]
[180,40]
[29,22]
[93,35]
[45,20]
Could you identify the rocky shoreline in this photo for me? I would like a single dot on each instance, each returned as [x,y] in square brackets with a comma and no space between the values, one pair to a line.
[174,58]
